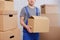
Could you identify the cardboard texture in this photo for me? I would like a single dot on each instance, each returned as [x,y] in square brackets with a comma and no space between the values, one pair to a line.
[6,5]
[10,35]
[54,18]
[53,34]
[5,12]
[45,9]
[7,0]
[39,24]
[8,22]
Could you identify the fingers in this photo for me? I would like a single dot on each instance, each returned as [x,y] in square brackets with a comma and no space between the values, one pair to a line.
[29,29]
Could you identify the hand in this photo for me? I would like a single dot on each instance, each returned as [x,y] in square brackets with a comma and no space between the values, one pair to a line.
[28,29]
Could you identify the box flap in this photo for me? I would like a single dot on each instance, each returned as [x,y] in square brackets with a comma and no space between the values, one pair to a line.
[34,17]
[48,5]
[38,17]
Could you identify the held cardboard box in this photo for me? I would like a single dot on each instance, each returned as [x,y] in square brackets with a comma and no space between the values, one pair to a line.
[13,34]
[7,0]
[8,22]
[5,12]
[45,9]
[39,23]
[6,5]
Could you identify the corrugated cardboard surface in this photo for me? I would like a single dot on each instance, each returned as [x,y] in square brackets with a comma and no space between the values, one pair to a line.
[54,18]
[53,34]
[6,5]
[7,22]
[49,9]
[8,12]
[39,24]
[10,35]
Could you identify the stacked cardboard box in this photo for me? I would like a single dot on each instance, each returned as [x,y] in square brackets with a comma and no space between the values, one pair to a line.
[51,11]
[8,21]
[53,34]
[13,34]
[5,5]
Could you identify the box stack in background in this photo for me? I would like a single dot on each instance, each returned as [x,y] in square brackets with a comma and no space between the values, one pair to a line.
[51,11]
[6,5]
[8,21]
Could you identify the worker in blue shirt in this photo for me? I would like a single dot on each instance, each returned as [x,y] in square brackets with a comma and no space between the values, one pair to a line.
[26,12]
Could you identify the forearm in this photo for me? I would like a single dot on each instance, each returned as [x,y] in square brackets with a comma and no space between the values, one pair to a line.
[23,24]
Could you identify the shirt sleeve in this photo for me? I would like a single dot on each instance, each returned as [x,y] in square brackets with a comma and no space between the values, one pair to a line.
[22,13]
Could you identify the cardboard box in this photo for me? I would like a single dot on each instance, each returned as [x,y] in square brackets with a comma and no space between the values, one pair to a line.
[53,34]
[5,12]
[6,5]
[54,18]
[45,9]
[7,0]
[39,24]
[8,22]
[13,34]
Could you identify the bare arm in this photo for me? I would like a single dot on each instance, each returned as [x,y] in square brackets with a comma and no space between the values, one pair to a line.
[24,25]
[22,22]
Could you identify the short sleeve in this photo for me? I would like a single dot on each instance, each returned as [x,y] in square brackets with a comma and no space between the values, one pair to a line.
[22,13]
